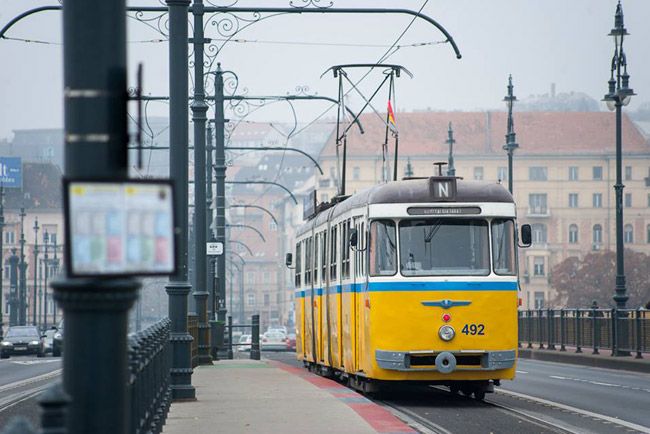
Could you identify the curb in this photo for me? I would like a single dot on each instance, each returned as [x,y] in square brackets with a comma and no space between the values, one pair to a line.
[378,417]
[606,362]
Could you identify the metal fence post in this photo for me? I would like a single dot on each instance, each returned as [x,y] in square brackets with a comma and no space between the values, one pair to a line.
[53,405]
[639,337]
[595,332]
[521,329]
[578,332]
[529,315]
[255,339]
[562,330]
[614,318]
[540,327]
[550,317]
[230,354]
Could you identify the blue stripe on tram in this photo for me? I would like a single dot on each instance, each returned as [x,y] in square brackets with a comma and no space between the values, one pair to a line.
[412,287]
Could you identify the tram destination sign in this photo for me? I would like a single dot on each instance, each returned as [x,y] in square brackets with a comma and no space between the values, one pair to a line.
[447,210]
[442,188]
[119,228]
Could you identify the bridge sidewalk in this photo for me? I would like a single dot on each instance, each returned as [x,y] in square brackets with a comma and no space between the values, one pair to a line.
[247,396]
[602,360]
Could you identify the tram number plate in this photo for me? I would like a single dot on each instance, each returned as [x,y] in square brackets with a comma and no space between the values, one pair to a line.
[473,329]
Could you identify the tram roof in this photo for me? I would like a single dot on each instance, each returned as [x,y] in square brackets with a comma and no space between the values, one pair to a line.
[417,190]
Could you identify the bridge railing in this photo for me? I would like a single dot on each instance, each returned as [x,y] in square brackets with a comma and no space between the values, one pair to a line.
[593,329]
[193,330]
[149,380]
[255,337]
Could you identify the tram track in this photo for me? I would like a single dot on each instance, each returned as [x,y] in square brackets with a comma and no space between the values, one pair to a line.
[14,393]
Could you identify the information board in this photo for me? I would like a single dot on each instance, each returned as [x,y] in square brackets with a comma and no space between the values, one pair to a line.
[11,173]
[119,228]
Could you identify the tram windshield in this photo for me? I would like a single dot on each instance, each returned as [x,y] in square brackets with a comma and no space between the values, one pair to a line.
[444,247]
[503,247]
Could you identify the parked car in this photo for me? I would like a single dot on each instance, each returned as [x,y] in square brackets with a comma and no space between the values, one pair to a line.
[291,342]
[57,341]
[281,329]
[244,343]
[22,340]
[49,339]
[274,341]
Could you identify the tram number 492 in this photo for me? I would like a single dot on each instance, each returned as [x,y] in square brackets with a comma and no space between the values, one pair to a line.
[473,329]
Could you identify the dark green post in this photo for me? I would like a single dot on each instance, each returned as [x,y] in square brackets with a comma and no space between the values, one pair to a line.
[22,280]
[220,178]
[2,261]
[179,287]
[511,143]
[13,288]
[96,142]
[199,117]
[35,267]
[451,169]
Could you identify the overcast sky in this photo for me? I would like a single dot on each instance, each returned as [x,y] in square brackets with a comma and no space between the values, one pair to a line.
[538,41]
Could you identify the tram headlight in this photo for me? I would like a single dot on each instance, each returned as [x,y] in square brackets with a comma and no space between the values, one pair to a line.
[446,332]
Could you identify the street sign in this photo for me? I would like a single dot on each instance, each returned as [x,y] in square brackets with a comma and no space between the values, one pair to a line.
[214,249]
[119,228]
[11,174]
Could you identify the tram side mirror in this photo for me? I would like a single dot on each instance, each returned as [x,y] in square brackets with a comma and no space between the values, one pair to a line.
[354,238]
[288,260]
[526,236]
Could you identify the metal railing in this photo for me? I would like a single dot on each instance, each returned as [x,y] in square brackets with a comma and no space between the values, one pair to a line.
[255,336]
[593,329]
[193,330]
[149,380]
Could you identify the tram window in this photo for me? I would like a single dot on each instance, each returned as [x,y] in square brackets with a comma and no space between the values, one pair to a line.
[307,261]
[333,257]
[316,259]
[324,255]
[503,247]
[298,263]
[444,247]
[383,248]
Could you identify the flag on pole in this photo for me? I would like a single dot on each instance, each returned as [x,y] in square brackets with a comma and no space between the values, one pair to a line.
[391,118]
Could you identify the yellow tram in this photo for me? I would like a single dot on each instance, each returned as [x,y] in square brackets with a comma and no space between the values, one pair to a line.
[411,281]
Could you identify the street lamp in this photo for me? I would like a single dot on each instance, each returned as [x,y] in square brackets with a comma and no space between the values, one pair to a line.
[22,281]
[2,263]
[619,94]
[511,144]
[35,267]
[451,170]
[46,260]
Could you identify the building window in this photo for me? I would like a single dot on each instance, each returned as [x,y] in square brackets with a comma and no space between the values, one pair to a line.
[648,200]
[537,203]
[597,200]
[537,173]
[323,183]
[267,299]
[598,173]
[478,173]
[539,300]
[538,266]
[628,200]
[250,277]
[324,197]
[573,173]
[628,173]
[573,234]
[539,233]
[573,200]
[356,173]
[502,173]
[250,299]
[10,237]
[266,277]
[628,234]
[332,172]
[648,234]
[598,234]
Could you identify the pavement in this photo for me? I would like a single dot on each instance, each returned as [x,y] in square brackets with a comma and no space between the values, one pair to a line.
[248,396]
[603,359]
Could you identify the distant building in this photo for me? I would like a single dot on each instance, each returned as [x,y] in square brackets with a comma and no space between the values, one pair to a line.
[564,172]
[41,198]
[36,145]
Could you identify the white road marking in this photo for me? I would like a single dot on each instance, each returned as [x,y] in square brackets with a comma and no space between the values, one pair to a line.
[600,383]
[583,413]
[34,362]
[21,383]
[522,372]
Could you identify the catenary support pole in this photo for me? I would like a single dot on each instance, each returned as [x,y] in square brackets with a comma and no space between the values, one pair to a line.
[95,147]
[179,287]
[199,117]
[220,178]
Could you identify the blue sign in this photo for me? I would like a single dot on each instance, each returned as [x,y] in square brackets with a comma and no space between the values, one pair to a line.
[11,172]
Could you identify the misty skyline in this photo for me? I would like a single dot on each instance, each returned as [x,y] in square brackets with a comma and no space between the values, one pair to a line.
[539,43]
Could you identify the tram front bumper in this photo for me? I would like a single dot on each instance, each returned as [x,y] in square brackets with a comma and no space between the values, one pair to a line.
[416,361]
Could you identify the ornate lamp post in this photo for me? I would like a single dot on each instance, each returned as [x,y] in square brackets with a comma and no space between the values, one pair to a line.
[22,285]
[451,170]
[511,144]
[46,270]
[2,263]
[14,304]
[619,94]
[35,295]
